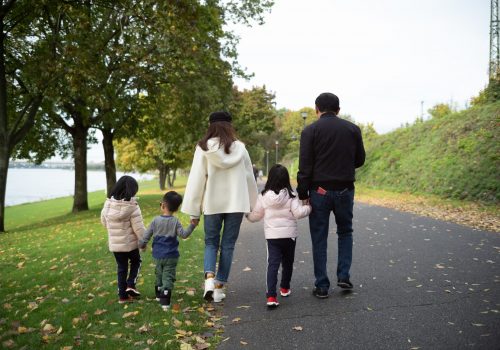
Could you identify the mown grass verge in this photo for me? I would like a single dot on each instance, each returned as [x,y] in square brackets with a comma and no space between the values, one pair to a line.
[58,284]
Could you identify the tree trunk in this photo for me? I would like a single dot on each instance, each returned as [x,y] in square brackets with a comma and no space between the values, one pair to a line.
[4,168]
[163,175]
[109,159]
[80,201]
[171,178]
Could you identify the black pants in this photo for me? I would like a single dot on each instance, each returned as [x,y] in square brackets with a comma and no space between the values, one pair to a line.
[122,260]
[279,251]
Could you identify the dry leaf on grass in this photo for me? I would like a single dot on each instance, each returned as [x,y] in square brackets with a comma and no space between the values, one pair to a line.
[99,312]
[130,314]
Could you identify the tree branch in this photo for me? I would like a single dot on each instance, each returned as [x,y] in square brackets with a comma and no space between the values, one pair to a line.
[18,135]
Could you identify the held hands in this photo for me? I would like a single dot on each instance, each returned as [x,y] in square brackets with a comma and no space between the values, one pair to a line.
[195,222]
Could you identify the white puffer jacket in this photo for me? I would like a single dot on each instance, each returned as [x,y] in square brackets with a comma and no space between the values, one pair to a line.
[280,213]
[123,219]
[219,182]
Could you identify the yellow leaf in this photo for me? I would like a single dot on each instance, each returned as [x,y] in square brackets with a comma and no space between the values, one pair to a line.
[67,348]
[176,322]
[186,346]
[99,312]
[76,320]
[48,328]
[129,314]
[237,319]
[243,342]
[7,306]
[59,331]
[20,265]
[22,330]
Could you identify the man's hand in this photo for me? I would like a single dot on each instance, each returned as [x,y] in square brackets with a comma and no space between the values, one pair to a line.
[195,222]
[143,249]
[306,202]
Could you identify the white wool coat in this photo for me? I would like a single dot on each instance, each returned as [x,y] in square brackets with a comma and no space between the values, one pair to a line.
[280,213]
[219,182]
[123,220]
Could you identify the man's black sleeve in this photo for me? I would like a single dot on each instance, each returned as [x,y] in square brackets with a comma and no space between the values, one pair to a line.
[360,151]
[306,161]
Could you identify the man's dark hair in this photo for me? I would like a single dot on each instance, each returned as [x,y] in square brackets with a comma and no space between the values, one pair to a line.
[327,102]
[173,200]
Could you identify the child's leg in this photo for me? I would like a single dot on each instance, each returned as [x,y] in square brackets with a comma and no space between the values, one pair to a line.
[273,264]
[168,279]
[135,267]
[288,251]
[168,275]
[122,269]
[158,274]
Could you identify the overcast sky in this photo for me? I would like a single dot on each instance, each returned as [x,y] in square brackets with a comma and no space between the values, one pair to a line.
[382,58]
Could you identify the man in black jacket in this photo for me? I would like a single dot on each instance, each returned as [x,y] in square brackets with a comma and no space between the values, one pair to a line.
[330,150]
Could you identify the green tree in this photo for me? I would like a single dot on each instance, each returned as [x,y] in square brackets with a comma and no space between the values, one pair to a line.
[28,62]
[254,118]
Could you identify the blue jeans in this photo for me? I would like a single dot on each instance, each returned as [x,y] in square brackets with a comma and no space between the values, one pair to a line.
[213,241]
[341,204]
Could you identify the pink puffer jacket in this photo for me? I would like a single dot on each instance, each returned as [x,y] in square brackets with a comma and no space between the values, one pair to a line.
[123,219]
[280,213]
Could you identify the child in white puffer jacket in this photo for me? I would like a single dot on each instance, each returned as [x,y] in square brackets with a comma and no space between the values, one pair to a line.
[280,208]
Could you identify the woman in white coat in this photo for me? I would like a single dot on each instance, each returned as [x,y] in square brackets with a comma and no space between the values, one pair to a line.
[221,185]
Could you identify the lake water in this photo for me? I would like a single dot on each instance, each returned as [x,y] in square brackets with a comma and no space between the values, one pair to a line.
[31,185]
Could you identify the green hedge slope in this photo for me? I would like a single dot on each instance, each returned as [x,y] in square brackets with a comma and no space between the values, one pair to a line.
[455,155]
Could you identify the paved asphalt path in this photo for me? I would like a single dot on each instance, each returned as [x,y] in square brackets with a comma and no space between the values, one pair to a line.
[419,283]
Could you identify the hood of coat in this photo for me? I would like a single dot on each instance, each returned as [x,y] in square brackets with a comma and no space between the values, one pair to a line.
[271,199]
[120,209]
[217,157]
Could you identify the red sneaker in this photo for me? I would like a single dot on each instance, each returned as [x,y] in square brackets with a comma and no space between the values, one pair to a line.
[285,292]
[272,302]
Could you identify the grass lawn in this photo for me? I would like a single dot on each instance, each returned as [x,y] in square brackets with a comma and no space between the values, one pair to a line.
[59,291]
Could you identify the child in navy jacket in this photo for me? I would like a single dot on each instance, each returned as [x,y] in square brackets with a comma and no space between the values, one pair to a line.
[165,228]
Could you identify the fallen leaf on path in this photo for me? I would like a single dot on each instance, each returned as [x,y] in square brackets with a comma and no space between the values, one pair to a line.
[237,319]
[297,328]
[243,342]
[243,307]
[478,324]
[247,269]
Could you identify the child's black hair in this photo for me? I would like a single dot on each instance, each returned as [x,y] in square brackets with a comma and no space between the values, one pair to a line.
[125,188]
[173,200]
[277,180]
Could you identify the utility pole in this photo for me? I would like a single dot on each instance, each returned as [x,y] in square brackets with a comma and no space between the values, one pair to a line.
[494,67]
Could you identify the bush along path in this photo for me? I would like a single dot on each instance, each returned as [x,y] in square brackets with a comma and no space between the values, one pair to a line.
[58,285]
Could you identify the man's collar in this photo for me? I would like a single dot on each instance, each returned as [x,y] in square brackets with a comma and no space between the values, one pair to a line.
[328,114]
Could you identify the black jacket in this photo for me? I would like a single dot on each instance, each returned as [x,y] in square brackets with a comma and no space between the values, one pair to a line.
[330,150]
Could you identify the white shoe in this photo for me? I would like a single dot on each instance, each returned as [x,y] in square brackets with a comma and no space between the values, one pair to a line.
[219,295]
[209,289]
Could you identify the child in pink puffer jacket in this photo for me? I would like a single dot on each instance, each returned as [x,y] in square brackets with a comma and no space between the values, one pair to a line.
[280,208]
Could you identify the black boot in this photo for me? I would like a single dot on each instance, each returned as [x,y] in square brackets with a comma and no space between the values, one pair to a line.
[165,299]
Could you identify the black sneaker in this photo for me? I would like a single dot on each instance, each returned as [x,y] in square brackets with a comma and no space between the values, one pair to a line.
[321,293]
[165,299]
[157,293]
[345,284]
[133,292]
